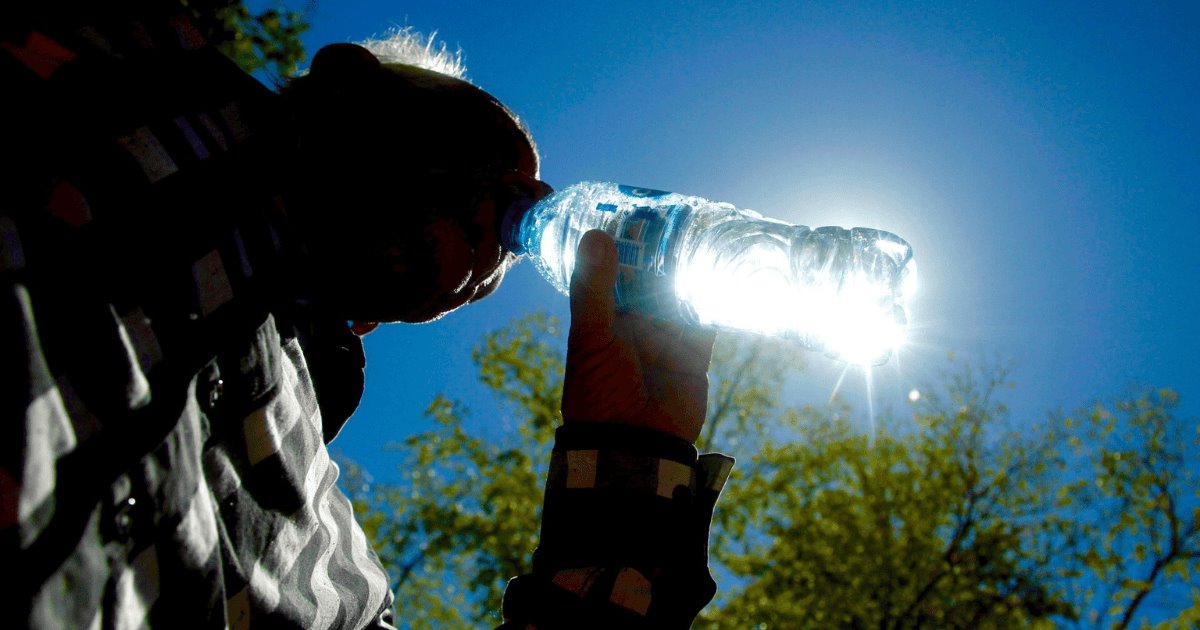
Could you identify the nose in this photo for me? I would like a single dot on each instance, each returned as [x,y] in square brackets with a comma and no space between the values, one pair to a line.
[520,192]
[532,187]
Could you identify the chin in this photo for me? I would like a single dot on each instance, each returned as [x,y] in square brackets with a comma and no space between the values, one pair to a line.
[425,305]
[433,311]
[421,318]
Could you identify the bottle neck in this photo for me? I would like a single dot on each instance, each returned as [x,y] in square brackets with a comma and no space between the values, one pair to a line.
[510,225]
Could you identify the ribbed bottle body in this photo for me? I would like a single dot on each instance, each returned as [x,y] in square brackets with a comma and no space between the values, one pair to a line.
[840,291]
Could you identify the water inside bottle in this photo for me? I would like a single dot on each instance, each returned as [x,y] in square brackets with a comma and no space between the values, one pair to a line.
[839,291]
[830,289]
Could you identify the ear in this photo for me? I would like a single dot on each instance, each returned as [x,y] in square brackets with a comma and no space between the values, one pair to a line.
[343,60]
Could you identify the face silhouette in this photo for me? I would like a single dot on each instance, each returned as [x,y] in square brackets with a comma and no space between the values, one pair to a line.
[405,178]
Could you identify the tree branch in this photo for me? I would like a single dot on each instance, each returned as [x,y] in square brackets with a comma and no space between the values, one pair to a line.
[724,406]
[960,533]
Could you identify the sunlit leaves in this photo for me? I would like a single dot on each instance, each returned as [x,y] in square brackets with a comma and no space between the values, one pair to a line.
[267,41]
[923,525]
[952,516]
[1137,465]
[464,519]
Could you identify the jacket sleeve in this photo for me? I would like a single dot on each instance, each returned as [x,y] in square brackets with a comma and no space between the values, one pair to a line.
[624,539]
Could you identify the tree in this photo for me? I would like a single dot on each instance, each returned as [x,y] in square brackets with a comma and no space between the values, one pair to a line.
[267,41]
[465,516]
[1139,482]
[935,525]
[946,518]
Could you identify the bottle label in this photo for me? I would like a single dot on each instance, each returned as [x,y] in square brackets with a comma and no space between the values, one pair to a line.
[642,284]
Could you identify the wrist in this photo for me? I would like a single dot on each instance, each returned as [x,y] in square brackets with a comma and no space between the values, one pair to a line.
[646,423]
[624,531]
[624,437]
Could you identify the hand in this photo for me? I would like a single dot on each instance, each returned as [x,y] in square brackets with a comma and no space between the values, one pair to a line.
[629,368]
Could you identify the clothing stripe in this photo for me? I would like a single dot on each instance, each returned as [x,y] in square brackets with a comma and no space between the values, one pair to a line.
[716,469]
[67,204]
[264,585]
[212,283]
[296,551]
[671,475]
[262,441]
[581,469]
[42,55]
[140,35]
[237,610]
[198,529]
[322,586]
[243,254]
[301,385]
[289,426]
[577,581]
[231,113]
[189,37]
[303,532]
[631,590]
[137,589]
[222,476]
[213,522]
[378,590]
[137,388]
[141,335]
[95,623]
[214,130]
[363,592]
[48,436]
[193,139]
[12,255]
[150,154]
[295,533]
[83,421]
[93,37]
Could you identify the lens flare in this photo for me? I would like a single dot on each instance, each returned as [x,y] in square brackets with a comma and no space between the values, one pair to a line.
[856,315]
[858,322]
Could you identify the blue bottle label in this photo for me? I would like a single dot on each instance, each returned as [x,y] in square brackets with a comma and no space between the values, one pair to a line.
[642,283]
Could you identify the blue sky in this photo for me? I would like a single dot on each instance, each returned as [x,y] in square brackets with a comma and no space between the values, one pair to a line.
[1043,159]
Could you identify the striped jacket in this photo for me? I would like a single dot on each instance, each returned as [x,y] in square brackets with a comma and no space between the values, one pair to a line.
[163,456]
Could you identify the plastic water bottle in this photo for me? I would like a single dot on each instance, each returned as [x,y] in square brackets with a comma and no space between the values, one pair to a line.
[840,291]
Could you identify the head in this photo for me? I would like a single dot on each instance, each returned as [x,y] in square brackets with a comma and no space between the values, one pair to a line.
[402,177]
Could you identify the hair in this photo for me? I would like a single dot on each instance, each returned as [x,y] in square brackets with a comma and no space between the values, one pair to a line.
[382,130]
[408,47]
[371,129]
[411,48]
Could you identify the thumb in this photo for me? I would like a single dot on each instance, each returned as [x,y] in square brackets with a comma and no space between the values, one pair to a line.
[593,305]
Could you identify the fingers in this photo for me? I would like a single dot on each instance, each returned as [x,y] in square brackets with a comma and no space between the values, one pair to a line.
[670,346]
[627,367]
[593,305]
[695,350]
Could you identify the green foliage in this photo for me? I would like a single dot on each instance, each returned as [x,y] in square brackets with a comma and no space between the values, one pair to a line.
[1138,482]
[925,525]
[268,41]
[465,517]
[945,518]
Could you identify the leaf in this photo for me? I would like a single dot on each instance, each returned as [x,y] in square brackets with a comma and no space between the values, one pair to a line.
[947,519]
